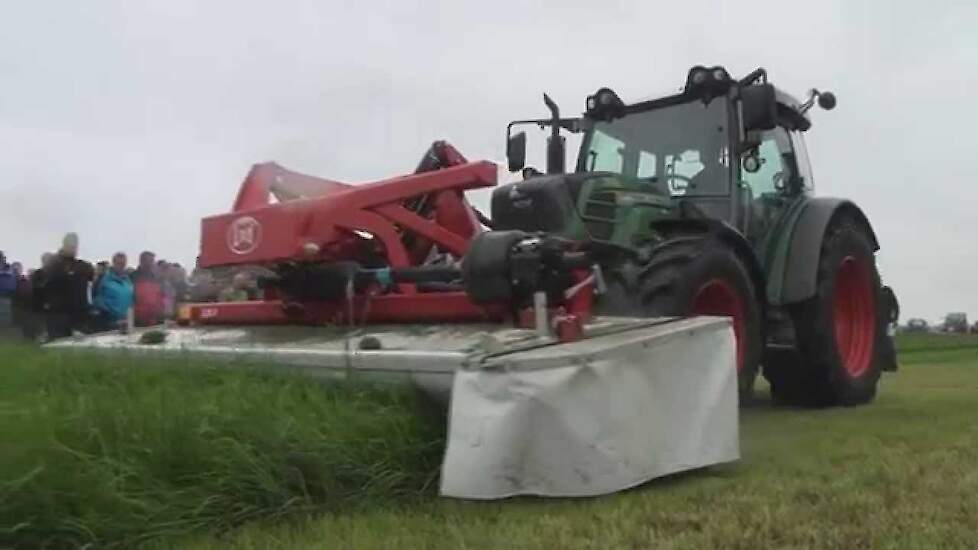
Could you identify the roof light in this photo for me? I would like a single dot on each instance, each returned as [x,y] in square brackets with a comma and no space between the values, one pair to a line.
[707,81]
[604,105]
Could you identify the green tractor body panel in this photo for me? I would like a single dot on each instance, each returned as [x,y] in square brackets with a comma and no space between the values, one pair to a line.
[619,210]
[774,250]
[792,247]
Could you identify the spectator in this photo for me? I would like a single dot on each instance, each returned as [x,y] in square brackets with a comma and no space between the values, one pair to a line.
[8,285]
[101,269]
[179,286]
[8,282]
[203,287]
[168,291]
[39,280]
[66,290]
[148,292]
[238,290]
[23,310]
[114,294]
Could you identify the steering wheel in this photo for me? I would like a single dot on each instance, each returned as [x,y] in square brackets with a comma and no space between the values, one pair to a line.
[672,187]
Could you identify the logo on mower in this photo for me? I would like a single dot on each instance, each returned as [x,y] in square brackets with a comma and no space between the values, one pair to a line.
[244,235]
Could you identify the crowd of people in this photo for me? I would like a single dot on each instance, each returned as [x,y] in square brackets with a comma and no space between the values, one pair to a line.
[67,294]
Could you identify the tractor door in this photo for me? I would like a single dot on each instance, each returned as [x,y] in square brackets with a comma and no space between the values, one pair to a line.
[774,186]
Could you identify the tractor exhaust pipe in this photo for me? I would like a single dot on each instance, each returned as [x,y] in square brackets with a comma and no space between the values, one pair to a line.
[555,143]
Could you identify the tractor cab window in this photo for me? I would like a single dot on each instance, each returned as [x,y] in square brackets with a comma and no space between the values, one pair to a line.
[606,153]
[801,158]
[681,169]
[775,171]
[681,147]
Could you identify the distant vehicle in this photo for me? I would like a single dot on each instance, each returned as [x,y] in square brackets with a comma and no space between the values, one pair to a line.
[956,322]
[917,325]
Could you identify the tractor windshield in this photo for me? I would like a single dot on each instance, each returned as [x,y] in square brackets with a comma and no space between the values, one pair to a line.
[683,147]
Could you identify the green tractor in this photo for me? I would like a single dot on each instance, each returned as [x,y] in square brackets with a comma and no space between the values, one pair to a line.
[702,203]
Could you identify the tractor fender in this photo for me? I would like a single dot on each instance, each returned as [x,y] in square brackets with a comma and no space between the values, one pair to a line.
[794,278]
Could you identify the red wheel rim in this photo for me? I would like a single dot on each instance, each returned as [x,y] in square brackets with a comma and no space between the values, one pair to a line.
[719,298]
[854,315]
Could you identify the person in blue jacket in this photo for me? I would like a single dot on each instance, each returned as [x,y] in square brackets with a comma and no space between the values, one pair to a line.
[8,281]
[114,295]
[8,285]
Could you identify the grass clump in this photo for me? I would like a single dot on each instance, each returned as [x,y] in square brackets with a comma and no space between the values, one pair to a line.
[118,451]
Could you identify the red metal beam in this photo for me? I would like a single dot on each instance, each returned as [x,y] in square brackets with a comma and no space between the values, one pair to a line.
[435,307]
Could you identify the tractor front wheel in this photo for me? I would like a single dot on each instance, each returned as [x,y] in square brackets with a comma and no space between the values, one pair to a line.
[690,276]
[839,332]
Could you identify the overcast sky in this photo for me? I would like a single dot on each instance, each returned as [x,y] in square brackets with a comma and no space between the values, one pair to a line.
[128,121]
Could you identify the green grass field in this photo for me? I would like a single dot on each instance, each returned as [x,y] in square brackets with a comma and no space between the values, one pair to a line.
[206,460]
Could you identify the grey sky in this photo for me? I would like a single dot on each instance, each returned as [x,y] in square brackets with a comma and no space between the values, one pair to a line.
[128,121]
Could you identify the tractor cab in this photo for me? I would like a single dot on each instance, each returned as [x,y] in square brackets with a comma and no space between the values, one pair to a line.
[721,149]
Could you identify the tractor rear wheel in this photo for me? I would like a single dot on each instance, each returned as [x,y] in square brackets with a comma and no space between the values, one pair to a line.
[839,332]
[690,276]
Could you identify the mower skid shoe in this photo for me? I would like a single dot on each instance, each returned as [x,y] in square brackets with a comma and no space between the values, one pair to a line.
[595,416]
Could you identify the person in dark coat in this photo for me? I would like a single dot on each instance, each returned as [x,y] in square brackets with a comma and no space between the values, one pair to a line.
[38,283]
[22,303]
[66,290]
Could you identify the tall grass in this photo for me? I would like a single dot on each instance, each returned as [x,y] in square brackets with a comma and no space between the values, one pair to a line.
[115,452]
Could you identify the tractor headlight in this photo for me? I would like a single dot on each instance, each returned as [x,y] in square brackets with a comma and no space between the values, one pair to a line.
[604,105]
[707,81]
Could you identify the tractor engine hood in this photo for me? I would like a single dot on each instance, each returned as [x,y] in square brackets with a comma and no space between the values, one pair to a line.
[582,205]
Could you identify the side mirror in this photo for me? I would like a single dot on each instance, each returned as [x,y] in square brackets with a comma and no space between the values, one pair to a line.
[758,107]
[516,152]
[752,162]
[826,100]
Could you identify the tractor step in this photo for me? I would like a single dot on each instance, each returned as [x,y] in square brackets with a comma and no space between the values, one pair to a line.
[633,400]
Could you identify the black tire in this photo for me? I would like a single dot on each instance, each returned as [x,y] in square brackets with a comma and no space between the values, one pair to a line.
[672,284]
[839,332]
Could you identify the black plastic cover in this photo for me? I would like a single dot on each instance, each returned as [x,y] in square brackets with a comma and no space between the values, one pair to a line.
[543,203]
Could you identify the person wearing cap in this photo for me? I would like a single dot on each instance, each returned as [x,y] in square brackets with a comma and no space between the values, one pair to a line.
[66,291]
